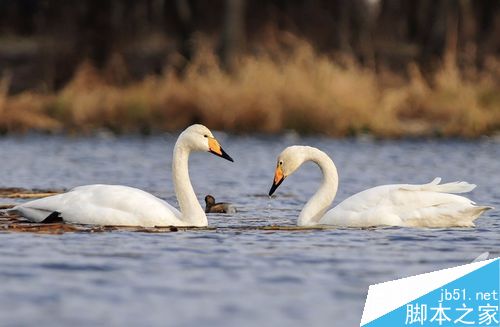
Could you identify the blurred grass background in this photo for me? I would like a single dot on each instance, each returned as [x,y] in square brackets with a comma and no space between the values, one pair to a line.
[340,68]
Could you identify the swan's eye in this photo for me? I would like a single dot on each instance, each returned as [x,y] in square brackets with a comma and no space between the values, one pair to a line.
[205,135]
[281,163]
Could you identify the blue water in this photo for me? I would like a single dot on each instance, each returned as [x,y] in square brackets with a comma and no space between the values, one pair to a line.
[233,275]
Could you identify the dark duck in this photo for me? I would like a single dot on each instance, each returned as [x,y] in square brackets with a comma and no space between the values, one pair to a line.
[221,207]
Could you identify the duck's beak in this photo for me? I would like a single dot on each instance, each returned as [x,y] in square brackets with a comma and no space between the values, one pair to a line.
[215,148]
[278,179]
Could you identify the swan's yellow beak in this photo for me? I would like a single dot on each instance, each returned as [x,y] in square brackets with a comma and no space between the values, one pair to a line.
[278,179]
[215,148]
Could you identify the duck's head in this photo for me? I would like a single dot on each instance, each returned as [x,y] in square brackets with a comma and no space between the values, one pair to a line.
[209,200]
[200,138]
[288,162]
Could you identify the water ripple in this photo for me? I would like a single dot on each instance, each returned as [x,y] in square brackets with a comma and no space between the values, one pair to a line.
[235,275]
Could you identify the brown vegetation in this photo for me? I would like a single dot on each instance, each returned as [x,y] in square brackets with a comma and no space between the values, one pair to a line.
[12,223]
[386,67]
[21,193]
[298,89]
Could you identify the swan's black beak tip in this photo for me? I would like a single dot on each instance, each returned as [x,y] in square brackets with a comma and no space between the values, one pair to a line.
[226,156]
[275,186]
[223,154]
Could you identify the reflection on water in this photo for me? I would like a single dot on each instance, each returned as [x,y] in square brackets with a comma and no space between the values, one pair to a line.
[232,275]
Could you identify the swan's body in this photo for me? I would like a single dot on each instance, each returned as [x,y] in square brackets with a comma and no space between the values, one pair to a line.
[127,206]
[105,205]
[426,205]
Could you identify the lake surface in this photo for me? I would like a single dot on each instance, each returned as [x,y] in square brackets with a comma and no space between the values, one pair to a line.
[232,275]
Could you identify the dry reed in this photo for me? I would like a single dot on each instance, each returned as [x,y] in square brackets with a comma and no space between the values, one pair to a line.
[300,90]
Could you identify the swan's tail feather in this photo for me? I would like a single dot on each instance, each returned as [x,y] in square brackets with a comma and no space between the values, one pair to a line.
[453,187]
[445,215]
[480,209]
[35,215]
[474,212]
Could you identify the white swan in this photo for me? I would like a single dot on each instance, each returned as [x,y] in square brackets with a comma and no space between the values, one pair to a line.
[127,206]
[427,205]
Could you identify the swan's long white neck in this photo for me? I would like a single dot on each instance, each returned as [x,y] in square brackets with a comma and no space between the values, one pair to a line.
[317,205]
[191,210]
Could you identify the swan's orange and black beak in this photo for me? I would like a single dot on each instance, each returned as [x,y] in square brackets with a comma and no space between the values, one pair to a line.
[278,179]
[215,148]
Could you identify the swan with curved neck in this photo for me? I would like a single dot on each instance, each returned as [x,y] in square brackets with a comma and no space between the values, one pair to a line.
[425,205]
[127,206]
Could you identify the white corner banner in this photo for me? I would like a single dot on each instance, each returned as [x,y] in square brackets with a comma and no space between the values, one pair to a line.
[466,295]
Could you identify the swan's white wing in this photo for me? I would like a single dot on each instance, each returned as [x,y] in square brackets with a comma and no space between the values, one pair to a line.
[426,205]
[483,256]
[104,205]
